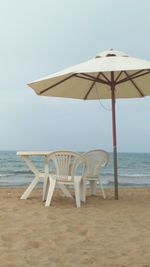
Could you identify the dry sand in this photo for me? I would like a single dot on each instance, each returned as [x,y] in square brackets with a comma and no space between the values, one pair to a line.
[102,233]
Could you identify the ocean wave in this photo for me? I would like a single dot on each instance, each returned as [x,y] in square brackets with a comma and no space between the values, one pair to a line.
[128,183]
[136,175]
[11,173]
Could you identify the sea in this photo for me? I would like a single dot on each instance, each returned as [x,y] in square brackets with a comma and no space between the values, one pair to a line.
[133,170]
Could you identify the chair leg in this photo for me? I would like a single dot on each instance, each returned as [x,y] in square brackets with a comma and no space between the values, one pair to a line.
[101,185]
[93,184]
[50,192]
[83,190]
[77,193]
[45,188]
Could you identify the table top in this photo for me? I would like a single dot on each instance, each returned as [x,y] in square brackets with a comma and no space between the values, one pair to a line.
[34,153]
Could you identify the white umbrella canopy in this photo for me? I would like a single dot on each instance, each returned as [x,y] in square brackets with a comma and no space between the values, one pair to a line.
[75,82]
[111,74]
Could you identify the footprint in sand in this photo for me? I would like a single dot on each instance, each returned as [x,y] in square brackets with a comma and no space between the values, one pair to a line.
[32,244]
[88,260]
[8,237]
[83,232]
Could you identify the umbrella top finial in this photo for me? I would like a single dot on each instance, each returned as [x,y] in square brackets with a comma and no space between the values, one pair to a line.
[111,53]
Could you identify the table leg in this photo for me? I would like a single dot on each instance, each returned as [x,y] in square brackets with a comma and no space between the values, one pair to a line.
[65,190]
[30,188]
[33,168]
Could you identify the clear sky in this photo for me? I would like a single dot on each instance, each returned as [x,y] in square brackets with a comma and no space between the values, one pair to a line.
[40,37]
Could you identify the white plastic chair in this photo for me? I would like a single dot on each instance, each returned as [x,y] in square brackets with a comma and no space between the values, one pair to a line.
[66,164]
[96,160]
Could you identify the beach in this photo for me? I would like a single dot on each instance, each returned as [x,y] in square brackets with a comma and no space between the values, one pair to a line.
[105,233]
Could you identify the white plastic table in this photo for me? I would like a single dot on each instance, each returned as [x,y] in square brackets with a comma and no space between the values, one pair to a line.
[27,157]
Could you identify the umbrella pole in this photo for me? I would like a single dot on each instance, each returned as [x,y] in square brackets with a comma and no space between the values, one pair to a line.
[114,136]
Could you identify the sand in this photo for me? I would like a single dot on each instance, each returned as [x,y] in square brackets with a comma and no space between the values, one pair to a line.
[105,233]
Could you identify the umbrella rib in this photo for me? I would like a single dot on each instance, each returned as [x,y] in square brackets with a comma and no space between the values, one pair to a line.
[91,79]
[50,87]
[137,88]
[91,87]
[105,77]
[118,76]
[134,76]
[85,78]
[142,74]
[94,79]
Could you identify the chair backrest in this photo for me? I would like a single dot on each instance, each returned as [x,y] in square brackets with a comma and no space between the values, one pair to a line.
[66,164]
[96,160]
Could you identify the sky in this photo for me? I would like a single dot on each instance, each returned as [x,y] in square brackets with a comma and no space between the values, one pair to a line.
[40,37]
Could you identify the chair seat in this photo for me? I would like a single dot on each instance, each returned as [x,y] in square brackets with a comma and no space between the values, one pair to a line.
[66,165]
[96,160]
[67,179]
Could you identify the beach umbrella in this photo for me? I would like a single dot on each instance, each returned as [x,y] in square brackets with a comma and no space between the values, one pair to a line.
[110,75]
